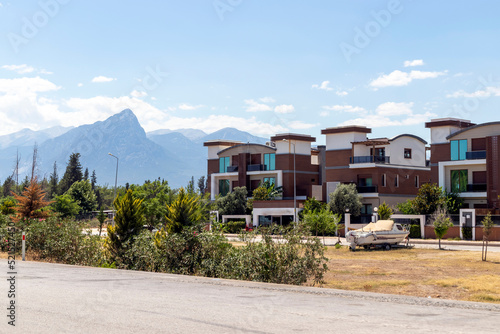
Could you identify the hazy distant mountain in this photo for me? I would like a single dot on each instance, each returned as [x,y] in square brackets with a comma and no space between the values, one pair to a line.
[28,137]
[172,155]
[233,134]
[191,134]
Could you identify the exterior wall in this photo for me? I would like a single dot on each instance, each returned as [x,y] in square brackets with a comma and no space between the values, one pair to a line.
[493,170]
[339,141]
[439,134]
[286,147]
[396,151]
[470,169]
[479,131]
[439,152]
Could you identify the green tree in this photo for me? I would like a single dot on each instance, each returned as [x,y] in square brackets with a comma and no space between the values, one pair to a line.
[384,211]
[53,182]
[185,211]
[429,198]
[190,186]
[202,185]
[441,222]
[320,221]
[407,208]
[72,174]
[487,229]
[345,197]
[453,202]
[155,196]
[81,192]
[101,217]
[129,221]
[93,180]
[9,186]
[66,206]
[86,174]
[234,203]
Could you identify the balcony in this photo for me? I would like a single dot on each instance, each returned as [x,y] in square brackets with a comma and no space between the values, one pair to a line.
[231,169]
[254,168]
[474,155]
[367,189]
[370,159]
[478,187]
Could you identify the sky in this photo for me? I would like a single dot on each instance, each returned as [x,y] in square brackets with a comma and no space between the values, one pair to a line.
[261,66]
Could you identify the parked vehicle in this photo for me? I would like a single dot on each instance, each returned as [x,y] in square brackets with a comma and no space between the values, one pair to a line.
[383,233]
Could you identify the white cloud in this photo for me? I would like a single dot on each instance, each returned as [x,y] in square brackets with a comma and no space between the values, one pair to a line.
[284,109]
[80,84]
[102,78]
[21,69]
[324,86]
[391,114]
[213,123]
[299,125]
[411,63]
[345,108]
[399,78]
[394,109]
[254,106]
[267,100]
[138,93]
[487,92]
[341,93]
[44,71]
[21,85]
[324,114]
[186,106]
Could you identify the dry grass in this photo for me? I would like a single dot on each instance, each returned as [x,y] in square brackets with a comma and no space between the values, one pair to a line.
[459,275]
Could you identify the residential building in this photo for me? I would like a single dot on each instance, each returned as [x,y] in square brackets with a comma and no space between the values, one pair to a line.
[465,158]
[388,170]
[287,161]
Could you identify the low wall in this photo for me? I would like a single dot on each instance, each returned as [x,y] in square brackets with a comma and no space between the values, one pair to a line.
[454,232]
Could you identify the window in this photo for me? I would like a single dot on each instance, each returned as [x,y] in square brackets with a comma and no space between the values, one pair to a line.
[458,149]
[271,180]
[407,153]
[459,180]
[379,152]
[384,180]
[365,182]
[417,181]
[269,161]
[366,209]
[223,187]
[223,164]
[396,181]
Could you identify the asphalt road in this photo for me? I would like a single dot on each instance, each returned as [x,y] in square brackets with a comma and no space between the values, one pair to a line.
[53,298]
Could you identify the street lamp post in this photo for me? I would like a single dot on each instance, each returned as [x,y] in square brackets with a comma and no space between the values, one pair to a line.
[294,185]
[116,180]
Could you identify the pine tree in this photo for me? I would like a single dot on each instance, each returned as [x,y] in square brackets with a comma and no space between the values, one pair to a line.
[73,173]
[86,174]
[185,211]
[9,186]
[53,182]
[31,203]
[93,180]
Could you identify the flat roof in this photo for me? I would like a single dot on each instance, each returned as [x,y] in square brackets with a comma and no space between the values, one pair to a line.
[293,136]
[345,129]
[222,142]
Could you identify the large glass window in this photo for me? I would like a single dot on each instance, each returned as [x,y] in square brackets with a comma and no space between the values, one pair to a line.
[270,161]
[223,164]
[458,149]
[223,187]
[459,180]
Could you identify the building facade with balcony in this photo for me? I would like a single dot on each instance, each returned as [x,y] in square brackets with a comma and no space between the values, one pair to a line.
[465,159]
[235,164]
[388,170]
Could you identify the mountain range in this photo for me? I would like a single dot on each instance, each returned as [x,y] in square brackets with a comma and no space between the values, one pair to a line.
[173,155]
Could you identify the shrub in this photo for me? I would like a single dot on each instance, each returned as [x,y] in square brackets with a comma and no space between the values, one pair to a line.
[385,212]
[233,226]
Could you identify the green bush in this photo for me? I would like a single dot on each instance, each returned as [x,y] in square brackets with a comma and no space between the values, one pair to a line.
[63,241]
[415,231]
[233,226]
[467,232]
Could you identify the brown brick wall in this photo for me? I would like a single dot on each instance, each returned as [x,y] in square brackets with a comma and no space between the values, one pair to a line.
[439,152]
[212,167]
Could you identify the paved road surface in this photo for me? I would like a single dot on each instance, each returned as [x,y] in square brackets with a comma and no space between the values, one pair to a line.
[55,298]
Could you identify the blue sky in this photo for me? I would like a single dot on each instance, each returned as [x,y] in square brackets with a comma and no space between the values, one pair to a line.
[262,66]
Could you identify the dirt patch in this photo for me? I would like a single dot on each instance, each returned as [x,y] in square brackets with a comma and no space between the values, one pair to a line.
[458,275]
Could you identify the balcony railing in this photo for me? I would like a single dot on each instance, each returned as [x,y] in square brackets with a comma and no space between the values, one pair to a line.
[367,189]
[370,159]
[478,187]
[256,167]
[231,169]
[473,155]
